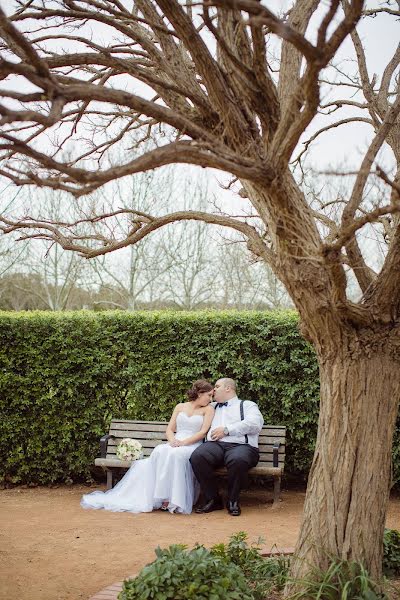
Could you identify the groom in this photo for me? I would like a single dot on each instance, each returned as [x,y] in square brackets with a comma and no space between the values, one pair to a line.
[232,441]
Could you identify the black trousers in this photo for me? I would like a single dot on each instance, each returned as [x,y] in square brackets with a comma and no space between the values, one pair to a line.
[237,458]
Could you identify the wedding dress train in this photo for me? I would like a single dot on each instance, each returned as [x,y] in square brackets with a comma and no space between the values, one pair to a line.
[166,475]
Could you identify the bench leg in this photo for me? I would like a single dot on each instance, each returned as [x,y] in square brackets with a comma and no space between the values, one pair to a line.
[277,492]
[110,479]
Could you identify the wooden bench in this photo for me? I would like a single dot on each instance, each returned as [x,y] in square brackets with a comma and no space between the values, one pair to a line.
[272,445]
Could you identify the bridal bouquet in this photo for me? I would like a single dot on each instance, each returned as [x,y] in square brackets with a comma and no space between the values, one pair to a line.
[129,449]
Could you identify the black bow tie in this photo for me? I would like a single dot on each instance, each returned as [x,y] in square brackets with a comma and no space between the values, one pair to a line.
[219,404]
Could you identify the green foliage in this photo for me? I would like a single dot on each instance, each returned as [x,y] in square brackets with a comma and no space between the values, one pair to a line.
[343,580]
[226,571]
[396,454]
[263,575]
[63,375]
[237,570]
[181,574]
[391,552]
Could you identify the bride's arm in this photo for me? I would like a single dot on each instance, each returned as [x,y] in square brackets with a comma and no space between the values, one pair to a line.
[171,427]
[208,417]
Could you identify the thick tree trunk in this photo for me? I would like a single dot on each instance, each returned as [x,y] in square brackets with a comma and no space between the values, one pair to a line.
[349,482]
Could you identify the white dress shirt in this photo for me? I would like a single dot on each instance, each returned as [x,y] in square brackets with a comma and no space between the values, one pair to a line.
[229,417]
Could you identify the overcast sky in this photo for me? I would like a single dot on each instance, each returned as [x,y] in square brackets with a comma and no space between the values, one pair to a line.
[341,147]
[380,35]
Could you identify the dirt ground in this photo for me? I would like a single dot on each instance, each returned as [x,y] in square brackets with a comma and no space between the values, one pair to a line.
[52,549]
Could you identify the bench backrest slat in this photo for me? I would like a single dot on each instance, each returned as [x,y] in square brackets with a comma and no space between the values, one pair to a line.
[152,433]
[139,426]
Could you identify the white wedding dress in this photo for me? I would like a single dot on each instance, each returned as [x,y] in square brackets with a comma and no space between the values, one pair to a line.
[166,475]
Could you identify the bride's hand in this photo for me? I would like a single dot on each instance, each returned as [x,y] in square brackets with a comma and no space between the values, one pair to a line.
[176,443]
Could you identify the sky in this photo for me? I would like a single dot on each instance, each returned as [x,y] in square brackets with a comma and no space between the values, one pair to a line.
[381,36]
[341,148]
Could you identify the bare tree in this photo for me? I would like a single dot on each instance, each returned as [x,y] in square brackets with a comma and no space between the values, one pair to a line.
[130,280]
[10,254]
[190,280]
[190,250]
[136,273]
[200,73]
[59,273]
[248,283]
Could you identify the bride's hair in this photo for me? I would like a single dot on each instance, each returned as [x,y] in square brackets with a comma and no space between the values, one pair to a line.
[198,387]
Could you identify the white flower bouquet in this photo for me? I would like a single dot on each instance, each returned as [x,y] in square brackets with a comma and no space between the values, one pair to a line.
[129,449]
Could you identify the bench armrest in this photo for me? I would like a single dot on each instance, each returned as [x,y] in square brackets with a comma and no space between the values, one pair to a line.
[103,444]
[275,453]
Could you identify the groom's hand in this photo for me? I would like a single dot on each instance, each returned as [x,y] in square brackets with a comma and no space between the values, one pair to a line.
[217,434]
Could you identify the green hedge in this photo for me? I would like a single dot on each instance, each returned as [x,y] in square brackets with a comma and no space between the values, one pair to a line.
[63,375]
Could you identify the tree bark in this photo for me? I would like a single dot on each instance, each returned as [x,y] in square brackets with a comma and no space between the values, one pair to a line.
[350,478]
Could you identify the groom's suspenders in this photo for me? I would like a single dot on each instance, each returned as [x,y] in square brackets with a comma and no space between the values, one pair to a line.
[246,437]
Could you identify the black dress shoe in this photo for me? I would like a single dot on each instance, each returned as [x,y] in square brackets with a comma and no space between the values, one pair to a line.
[234,509]
[214,504]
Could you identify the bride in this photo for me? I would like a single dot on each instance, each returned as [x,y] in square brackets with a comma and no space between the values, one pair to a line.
[164,480]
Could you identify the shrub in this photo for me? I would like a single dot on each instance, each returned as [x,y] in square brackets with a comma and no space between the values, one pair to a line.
[205,574]
[263,575]
[63,375]
[179,574]
[391,552]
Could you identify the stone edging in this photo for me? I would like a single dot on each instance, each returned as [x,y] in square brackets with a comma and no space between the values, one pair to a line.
[111,592]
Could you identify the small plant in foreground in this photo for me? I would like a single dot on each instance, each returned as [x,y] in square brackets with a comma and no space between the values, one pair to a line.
[263,575]
[343,580]
[180,574]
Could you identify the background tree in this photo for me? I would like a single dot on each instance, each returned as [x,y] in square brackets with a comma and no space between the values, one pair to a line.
[201,74]
[50,276]
[11,257]
[134,274]
[247,283]
[190,249]
[184,266]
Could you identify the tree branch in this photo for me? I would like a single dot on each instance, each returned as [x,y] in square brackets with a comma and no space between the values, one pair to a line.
[307,143]
[176,152]
[362,273]
[305,100]
[142,225]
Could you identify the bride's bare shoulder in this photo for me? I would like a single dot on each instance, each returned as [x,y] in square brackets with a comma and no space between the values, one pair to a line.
[182,406]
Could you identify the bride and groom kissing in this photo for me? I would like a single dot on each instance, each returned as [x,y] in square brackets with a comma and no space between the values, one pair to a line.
[214,428]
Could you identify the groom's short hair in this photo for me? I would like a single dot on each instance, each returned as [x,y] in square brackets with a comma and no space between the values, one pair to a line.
[228,382]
